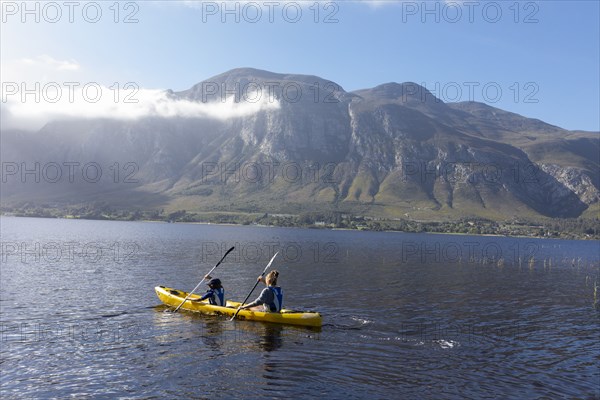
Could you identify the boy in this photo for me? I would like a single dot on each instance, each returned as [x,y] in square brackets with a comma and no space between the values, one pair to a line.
[215,294]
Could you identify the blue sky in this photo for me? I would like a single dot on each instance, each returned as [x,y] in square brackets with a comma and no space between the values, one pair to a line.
[542,56]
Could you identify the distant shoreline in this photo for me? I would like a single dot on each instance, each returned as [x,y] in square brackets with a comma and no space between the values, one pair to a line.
[522,234]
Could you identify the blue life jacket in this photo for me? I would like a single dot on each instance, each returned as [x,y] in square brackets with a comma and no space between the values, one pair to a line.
[220,297]
[216,297]
[277,304]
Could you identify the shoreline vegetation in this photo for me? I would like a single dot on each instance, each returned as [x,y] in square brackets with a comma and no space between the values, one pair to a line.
[573,228]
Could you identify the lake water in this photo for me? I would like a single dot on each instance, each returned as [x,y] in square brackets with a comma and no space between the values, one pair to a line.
[405,315]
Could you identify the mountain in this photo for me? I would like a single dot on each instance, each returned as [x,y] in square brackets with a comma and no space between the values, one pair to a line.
[391,151]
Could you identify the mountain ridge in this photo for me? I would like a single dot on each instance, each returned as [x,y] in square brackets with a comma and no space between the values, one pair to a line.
[390,151]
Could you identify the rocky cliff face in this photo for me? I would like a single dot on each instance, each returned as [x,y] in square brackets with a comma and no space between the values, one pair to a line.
[394,150]
[575,180]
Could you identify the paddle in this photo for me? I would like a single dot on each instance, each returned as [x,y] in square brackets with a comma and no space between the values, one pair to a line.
[255,285]
[198,285]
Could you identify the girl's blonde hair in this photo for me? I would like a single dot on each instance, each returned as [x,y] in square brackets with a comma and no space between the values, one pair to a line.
[271,278]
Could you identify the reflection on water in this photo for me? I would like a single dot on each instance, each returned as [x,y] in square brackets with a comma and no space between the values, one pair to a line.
[271,339]
[409,316]
[220,335]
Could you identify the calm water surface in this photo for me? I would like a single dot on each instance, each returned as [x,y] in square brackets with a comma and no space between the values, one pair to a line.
[405,315]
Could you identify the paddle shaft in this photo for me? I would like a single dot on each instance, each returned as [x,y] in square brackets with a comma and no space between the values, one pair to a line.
[255,285]
[209,272]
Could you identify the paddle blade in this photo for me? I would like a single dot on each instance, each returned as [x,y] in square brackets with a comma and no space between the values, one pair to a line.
[270,262]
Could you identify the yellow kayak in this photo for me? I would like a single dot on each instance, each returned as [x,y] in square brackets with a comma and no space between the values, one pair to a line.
[174,297]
